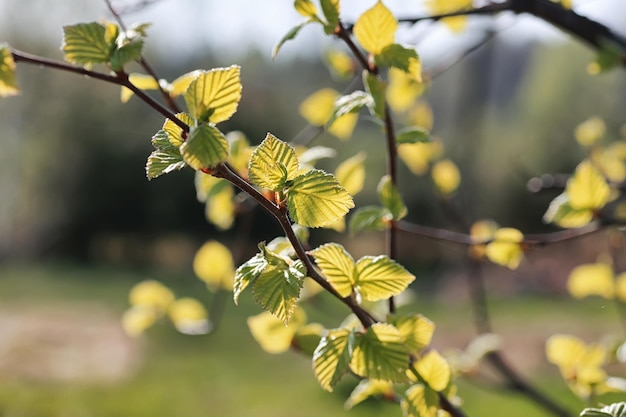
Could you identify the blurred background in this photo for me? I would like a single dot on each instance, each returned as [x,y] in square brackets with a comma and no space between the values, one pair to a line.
[80,223]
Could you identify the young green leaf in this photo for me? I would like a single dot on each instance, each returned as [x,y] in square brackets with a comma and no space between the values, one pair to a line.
[247,273]
[272,164]
[420,401]
[8,83]
[376,88]
[125,54]
[214,95]
[416,329]
[403,58]
[293,32]
[277,290]
[380,353]
[337,266]
[206,147]
[305,7]
[331,358]
[351,173]
[376,28]
[391,198]
[413,134]
[174,132]
[369,218]
[350,103]
[378,278]
[86,44]
[165,158]
[316,199]
[434,370]
[331,13]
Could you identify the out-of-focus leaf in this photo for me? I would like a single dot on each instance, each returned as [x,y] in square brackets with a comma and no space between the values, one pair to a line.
[505,249]
[420,401]
[434,370]
[370,388]
[390,198]
[590,131]
[213,264]
[592,279]
[416,329]
[446,176]
[272,334]
[369,218]
[376,28]
[152,294]
[8,82]
[351,173]
[189,316]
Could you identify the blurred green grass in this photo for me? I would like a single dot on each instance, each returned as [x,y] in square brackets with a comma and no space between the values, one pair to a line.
[226,373]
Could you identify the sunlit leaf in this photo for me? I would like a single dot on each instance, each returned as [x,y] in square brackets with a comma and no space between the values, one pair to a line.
[343,126]
[570,353]
[351,173]
[128,52]
[380,277]
[612,410]
[439,7]
[247,273]
[309,157]
[412,134]
[416,329]
[141,81]
[316,199]
[208,185]
[277,291]
[179,85]
[372,218]
[390,198]
[189,316]
[591,279]
[434,370]
[337,265]
[420,401]
[165,158]
[319,106]
[446,176]
[340,63]
[331,358]
[214,95]
[350,103]
[419,115]
[293,32]
[85,44]
[272,164]
[305,7]
[587,188]
[240,152]
[370,388]
[376,87]
[563,214]
[590,131]
[331,13]
[403,90]
[505,249]
[272,334]
[380,353]
[151,293]
[138,318]
[376,28]
[8,82]
[213,264]
[418,156]
[174,132]
[220,208]
[205,148]
[403,58]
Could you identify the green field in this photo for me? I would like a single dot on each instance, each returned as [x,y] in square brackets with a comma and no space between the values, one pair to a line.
[73,314]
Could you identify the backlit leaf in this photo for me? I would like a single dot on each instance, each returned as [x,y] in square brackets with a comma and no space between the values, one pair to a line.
[337,265]
[376,28]
[151,293]
[331,13]
[372,218]
[380,277]
[175,132]
[331,358]
[370,388]
[247,273]
[351,173]
[316,199]
[340,63]
[434,370]
[380,353]
[305,7]
[403,90]
[8,82]
[590,131]
[220,208]
[126,53]
[343,126]
[85,44]
[446,176]
[591,279]
[403,58]
[412,134]
[272,334]
[240,152]
[277,291]
[272,164]
[309,157]
[293,32]
[587,188]
[570,353]
[319,106]
[456,23]
[420,401]
[505,249]
[180,84]
[561,213]
[350,103]
[213,264]
[189,316]
[165,158]
[214,95]
[141,81]
[416,329]
[418,156]
[390,197]
[205,148]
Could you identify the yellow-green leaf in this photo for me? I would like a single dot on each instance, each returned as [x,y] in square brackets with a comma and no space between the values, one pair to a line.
[420,401]
[351,173]
[370,388]
[340,63]
[350,103]
[165,158]
[318,107]
[213,264]
[455,23]
[446,176]
[141,81]
[189,316]
[205,148]
[416,329]
[403,58]
[343,126]
[277,290]
[563,214]
[592,279]
[587,189]
[175,132]
[305,7]
[337,265]
[85,44]
[273,163]
[220,208]
[370,218]
[390,198]
[380,277]
[380,353]
[570,353]
[247,273]
[505,249]
[138,318]
[151,293]
[403,90]
[179,85]
[376,28]
[418,156]
[331,358]
[214,95]
[434,370]
[590,131]
[272,334]
[316,199]
[8,83]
